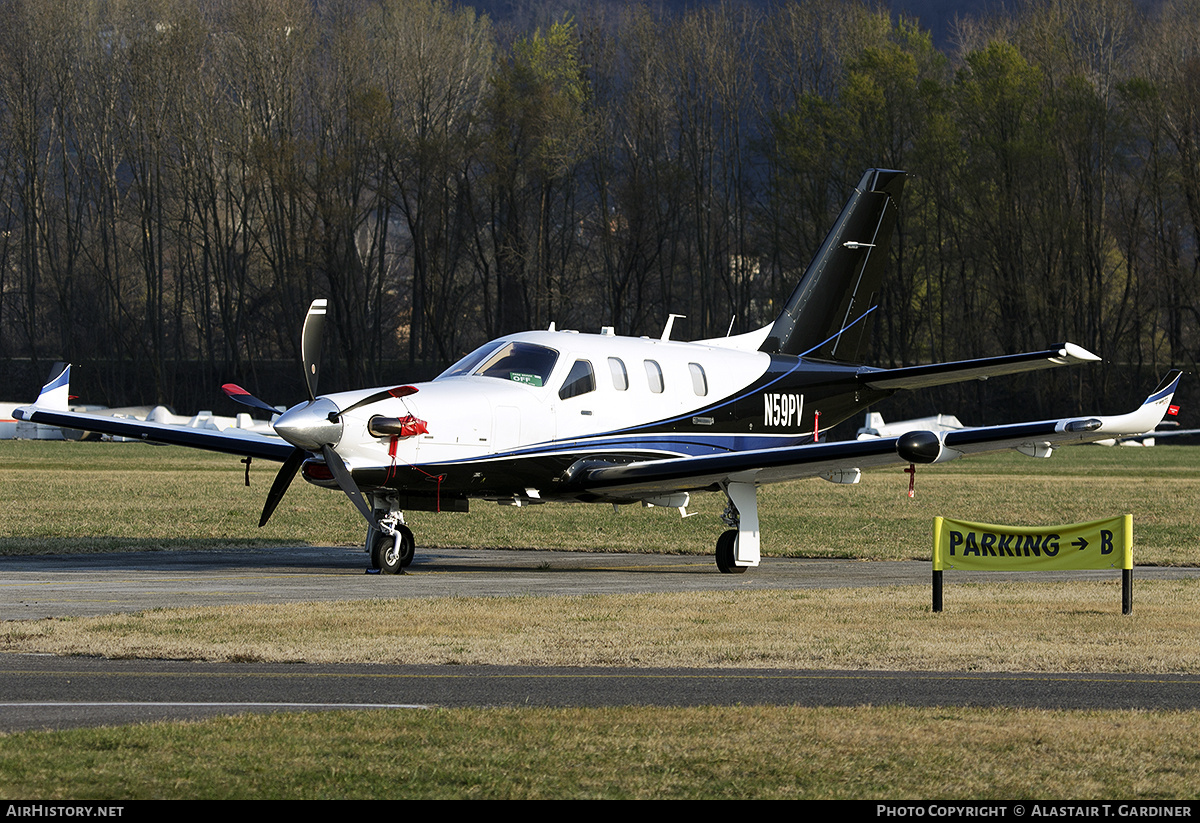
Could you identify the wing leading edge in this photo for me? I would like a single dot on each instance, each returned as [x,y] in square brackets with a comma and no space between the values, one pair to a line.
[764,466]
[50,409]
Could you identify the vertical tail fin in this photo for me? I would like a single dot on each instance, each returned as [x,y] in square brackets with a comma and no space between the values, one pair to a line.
[826,315]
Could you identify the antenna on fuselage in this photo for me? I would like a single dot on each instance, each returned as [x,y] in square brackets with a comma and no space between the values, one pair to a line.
[729,330]
[666,335]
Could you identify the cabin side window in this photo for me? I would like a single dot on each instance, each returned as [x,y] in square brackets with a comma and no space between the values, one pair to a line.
[580,380]
[699,379]
[620,377]
[654,376]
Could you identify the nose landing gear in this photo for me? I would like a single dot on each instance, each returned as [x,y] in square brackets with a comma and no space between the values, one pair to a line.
[391,547]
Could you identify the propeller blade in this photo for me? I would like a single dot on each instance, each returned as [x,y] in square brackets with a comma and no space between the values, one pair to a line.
[310,344]
[398,391]
[282,480]
[342,475]
[239,395]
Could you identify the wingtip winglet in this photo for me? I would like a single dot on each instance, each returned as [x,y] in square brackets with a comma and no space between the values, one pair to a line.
[1151,412]
[1160,399]
[1139,421]
[1166,389]
[56,394]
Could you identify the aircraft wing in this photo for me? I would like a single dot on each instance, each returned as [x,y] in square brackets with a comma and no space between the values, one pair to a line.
[229,441]
[939,374]
[842,458]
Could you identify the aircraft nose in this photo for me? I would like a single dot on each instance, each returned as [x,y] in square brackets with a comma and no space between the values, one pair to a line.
[309,426]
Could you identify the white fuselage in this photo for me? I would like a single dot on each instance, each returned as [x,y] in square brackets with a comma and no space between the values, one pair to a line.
[634,382]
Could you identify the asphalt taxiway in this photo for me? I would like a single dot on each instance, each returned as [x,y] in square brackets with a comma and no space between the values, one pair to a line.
[84,585]
[43,692]
[39,691]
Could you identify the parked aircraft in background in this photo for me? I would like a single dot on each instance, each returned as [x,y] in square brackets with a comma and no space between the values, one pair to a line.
[875,427]
[601,418]
[200,420]
[154,414]
[11,428]
[8,423]
[1166,430]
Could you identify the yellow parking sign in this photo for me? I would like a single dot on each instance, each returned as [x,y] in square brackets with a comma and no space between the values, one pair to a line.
[1100,544]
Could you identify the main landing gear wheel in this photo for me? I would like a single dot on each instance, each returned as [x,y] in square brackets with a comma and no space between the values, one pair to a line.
[386,557]
[726,549]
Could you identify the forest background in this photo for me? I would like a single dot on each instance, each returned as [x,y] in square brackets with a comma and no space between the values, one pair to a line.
[180,178]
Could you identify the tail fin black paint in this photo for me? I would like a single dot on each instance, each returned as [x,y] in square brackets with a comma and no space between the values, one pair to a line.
[825,317]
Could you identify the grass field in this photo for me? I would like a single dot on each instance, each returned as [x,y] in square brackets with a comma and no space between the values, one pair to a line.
[886,753]
[110,497]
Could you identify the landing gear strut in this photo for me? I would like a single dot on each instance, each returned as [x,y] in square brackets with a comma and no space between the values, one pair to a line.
[737,549]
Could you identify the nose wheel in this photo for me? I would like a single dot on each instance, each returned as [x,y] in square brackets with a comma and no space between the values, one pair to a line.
[392,554]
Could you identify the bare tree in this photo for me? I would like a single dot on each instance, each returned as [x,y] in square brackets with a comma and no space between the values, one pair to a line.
[433,64]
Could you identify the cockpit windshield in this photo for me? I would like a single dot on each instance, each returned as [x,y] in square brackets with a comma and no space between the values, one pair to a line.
[522,363]
[519,362]
[468,363]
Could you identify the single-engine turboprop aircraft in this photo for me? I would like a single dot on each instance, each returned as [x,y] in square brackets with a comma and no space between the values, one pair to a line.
[600,418]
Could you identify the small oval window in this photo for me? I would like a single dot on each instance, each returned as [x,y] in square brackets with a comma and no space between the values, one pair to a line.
[654,376]
[620,377]
[699,380]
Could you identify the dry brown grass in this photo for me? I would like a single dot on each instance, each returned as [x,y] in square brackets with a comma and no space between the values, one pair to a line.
[1026,626]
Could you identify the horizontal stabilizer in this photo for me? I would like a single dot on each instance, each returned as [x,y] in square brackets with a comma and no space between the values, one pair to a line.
[940,374]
